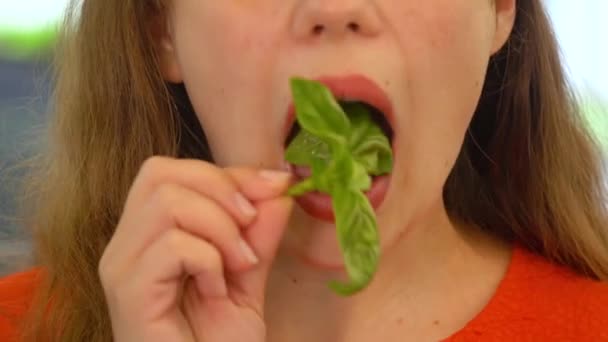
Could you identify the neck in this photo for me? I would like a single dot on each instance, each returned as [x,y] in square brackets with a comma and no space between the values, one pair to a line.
[429,283]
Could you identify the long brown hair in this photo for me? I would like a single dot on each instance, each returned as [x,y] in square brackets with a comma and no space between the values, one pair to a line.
[529,170]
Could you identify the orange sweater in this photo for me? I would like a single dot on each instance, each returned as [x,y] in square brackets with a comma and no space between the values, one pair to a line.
[536,301]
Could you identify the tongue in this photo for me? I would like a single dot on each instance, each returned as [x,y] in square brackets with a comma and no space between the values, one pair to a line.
[301,171]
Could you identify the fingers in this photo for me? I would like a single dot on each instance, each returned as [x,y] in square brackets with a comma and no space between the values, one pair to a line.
[174,206]
[190,219]
[177,253]
[154,282]
[202,199]
[203,178]
[260,185]
[264,236]
[269,224]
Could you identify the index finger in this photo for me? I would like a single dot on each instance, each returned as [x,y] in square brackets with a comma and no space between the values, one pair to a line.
[259,185]
[201,177]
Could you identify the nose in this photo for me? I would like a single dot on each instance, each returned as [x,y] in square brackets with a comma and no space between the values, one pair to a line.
[315,19]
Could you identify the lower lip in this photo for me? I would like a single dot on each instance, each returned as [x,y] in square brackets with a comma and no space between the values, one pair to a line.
[318,205]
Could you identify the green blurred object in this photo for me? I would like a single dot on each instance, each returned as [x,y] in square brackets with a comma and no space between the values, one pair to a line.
[25,44]
[595,110]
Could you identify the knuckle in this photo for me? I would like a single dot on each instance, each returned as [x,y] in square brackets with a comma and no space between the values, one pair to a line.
[107,274]
[222,225]
[219,176]
[175,241]
[213,258]
[240,172]
[185,247]
[151,166]
[154,162]
[102,271]
[166,197]
[223,176]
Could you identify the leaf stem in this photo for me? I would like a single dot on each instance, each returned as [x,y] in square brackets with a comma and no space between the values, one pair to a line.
[302,187]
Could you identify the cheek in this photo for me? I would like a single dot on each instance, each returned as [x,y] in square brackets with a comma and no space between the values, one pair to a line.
[223,33]
[446,54]
[211,40]
[446,50]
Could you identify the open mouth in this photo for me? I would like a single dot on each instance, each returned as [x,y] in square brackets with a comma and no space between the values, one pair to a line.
[376,114]
[348,90]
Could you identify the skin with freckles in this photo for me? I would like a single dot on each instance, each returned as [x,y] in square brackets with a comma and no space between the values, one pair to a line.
[430,57]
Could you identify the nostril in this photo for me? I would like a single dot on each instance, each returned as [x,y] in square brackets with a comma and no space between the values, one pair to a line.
[354,27]
[318,29]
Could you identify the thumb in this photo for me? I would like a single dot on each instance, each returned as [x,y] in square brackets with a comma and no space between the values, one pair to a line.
[264,236]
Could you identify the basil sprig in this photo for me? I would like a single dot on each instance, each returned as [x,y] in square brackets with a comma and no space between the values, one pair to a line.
[342,151]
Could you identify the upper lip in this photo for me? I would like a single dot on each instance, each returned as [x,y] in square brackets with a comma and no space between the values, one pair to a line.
[350,88]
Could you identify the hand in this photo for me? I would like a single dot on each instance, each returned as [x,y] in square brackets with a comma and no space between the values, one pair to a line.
[191,253]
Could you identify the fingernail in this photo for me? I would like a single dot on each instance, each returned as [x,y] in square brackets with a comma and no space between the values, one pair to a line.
[275,176]
[244,205]
[248,252]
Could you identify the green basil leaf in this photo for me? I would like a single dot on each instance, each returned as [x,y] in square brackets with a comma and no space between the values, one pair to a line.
[375,154]
[323,174]
[305,147]
[319,113]
[367,141]
[360,179]
[346,172]
[358,237]
[320,180]
[302,187]
[342,171]
[342,152]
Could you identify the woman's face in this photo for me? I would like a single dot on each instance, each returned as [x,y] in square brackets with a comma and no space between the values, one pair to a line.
[428,57]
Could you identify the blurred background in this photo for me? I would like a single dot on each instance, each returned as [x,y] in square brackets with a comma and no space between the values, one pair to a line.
[27,33]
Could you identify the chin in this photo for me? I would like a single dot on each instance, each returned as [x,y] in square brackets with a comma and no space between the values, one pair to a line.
[313,242]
